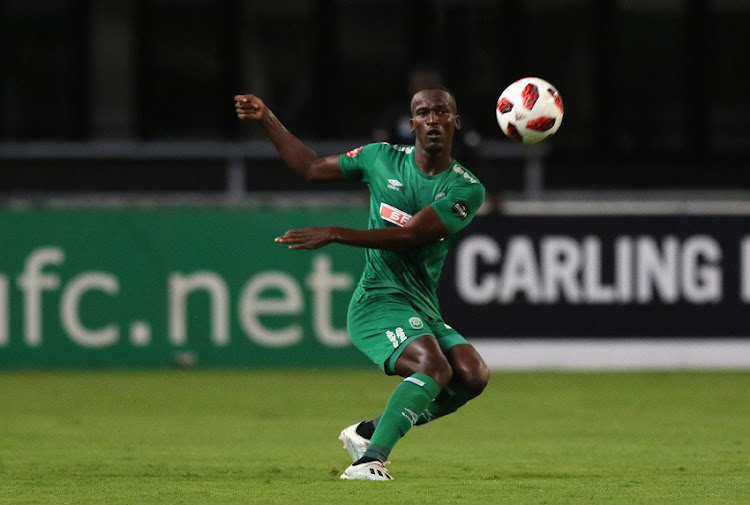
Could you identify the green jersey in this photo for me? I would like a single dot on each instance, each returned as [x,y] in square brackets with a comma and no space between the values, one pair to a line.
[398,190]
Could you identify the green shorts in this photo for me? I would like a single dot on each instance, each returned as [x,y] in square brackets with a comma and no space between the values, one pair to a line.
[381,325]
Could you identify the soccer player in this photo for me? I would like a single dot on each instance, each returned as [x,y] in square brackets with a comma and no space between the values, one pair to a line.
[420,198]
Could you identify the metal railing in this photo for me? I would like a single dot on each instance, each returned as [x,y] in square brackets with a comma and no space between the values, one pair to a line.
[236,155]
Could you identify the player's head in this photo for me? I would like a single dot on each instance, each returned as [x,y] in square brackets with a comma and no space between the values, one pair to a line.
[434,119]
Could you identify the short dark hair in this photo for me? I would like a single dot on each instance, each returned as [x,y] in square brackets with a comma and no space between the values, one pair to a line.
[451,96]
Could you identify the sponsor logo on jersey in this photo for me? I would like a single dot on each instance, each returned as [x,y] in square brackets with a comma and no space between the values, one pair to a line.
[354,152]
[394,184]
[394,215]
[439,196]
[416,323]
[461,210]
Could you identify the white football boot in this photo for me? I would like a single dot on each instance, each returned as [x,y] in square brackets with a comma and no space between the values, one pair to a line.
[354,443]
[372,470]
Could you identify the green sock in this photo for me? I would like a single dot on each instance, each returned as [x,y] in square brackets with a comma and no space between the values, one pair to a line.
[448,401]
[401,412]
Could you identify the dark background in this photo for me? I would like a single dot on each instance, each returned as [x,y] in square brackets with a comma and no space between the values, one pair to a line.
[656,92]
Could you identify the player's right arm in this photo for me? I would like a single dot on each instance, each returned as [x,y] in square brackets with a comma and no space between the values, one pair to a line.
[295,153]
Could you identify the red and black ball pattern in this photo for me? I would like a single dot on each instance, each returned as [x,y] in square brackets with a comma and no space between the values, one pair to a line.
[527,98]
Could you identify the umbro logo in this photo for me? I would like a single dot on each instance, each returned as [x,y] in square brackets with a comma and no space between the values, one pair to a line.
[394,184]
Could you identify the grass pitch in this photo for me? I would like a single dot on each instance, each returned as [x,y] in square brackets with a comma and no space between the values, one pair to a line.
[270,437]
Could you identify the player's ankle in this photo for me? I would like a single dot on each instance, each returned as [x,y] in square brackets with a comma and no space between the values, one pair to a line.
[365,459]
[365,429]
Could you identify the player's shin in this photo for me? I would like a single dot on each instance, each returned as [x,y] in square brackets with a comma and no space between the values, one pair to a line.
[409,398]
[448,401]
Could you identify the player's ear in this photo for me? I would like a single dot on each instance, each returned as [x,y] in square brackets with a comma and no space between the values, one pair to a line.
[411,125]
[458,122]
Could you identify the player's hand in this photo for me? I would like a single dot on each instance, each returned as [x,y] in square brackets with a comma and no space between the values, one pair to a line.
[249,107]
[307,238]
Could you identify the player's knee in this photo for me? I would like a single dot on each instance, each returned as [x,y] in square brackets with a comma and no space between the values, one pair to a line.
[438,368]
[423,355]
[478,381]
[474,375]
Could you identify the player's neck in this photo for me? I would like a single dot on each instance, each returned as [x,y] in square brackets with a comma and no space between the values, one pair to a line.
[432,163]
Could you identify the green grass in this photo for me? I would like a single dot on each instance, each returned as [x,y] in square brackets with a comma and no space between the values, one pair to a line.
[270,437]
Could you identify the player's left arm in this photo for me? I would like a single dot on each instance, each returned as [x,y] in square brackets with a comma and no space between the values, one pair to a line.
[424,228]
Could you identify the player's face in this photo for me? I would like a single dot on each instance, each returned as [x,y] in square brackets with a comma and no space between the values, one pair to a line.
[434,120]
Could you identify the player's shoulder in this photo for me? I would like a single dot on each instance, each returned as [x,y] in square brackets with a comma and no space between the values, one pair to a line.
[376,149]
[463,176]
[399,148]
[391,150]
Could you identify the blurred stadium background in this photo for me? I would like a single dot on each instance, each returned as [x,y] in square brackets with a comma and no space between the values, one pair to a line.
[137,213]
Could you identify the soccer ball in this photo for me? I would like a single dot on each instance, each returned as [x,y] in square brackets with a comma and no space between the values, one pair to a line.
[530,110]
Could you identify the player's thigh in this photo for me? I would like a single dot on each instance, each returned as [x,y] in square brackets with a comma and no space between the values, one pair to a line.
[446,335]
[382,326]
[468,365]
